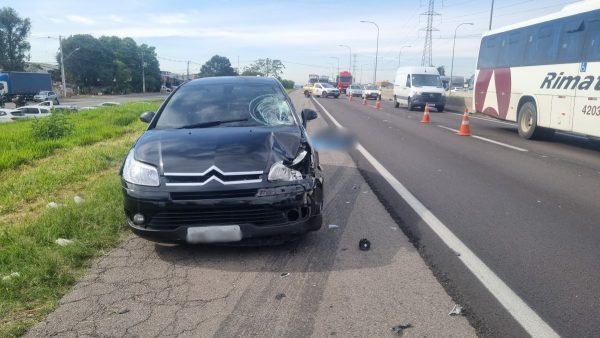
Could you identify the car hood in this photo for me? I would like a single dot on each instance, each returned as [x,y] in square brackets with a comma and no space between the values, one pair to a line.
[231,149]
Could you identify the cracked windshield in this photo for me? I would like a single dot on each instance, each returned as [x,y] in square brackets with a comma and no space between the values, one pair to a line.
[231,168]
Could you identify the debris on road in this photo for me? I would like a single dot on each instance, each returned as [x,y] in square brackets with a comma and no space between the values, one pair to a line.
[280,296]
[63,241]
[78,199]
[53,205]
[285,274]
[121,311]
[457,310]
[333,226]
[364,244]
[399,329]
[11,276]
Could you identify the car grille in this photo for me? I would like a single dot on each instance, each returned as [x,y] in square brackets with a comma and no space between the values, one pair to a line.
[432,96]
[254,215]
[195,195]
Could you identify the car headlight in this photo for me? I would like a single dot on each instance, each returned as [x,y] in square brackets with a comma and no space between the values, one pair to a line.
[139,173]
[279,172]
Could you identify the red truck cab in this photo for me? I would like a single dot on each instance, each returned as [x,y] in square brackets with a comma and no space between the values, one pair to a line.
[343,81]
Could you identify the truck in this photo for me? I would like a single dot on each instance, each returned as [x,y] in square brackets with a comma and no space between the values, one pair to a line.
[24,84]
[313,78]
[343,81]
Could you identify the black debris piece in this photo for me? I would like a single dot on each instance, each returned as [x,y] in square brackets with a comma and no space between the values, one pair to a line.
[285,274]
[280,296]
[364,244]
[399,329]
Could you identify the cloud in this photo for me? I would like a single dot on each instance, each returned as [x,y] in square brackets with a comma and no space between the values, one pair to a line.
[171,19]
[80,19]
[116,19]
[55,20]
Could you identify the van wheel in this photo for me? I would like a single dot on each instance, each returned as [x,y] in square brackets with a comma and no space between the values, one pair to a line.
[527,124]
[396,103]
[409,104]
[440,109]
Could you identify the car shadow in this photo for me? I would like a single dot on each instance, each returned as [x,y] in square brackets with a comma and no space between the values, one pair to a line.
[333,247]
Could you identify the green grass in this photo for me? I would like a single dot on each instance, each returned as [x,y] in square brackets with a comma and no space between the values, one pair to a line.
[84,163]
[19,146]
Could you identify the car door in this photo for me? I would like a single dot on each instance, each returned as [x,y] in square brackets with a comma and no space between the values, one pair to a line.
[318,89]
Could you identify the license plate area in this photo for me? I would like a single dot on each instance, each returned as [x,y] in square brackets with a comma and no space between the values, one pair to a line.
[214,234]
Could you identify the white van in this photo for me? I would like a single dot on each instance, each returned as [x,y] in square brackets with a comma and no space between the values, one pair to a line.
[418,86]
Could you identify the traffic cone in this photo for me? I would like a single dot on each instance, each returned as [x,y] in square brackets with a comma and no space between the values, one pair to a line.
[465,130]
[378,103]
[426,115]
[364,101]
[350,97]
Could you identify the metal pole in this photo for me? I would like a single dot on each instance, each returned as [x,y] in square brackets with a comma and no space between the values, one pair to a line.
[454,45]
[400,54]
[62,67]
[376,51]
[491,14]
[143,74]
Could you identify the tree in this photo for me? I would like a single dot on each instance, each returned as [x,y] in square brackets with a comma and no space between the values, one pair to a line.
[441,70]
[217,66]
[265,67]
[13,40]
[287,84]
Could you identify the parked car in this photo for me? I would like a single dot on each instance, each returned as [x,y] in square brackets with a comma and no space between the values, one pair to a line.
[354,90]
[225,159]
[371,92]
[45,95]
[62,108]
[324,89]
[29,112]
[7,115]
[109,104]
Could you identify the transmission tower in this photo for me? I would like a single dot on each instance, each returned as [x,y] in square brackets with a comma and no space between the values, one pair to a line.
[427,48]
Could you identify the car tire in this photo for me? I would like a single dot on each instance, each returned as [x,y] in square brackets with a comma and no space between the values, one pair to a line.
[409,105]
[336,96]
[323,94]
[396,103]
[440,109]
[527,123]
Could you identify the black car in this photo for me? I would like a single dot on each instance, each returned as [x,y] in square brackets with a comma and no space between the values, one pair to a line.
[224,159]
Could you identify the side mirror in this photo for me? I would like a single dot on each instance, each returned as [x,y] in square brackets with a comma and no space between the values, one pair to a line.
[309,114]
[147,116]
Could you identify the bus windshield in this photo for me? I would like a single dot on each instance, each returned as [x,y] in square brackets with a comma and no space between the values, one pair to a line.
[426,80]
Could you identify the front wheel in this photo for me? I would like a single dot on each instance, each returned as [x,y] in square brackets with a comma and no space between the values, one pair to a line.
[440,109]
[410,105]
[336,96]
[323,94]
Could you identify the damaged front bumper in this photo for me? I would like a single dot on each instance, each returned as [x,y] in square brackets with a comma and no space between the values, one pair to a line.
[223,215]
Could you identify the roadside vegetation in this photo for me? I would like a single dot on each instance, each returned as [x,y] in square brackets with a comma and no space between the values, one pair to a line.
[58,188]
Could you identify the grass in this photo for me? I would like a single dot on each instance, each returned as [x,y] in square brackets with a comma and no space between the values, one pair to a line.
[19,146]
[84,163]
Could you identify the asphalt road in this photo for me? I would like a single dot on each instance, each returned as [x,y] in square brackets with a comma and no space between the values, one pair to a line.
[321,286]
[528,209]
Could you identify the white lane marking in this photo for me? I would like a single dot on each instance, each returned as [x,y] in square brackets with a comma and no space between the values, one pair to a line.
[521,312]
[512,124]
[487,140]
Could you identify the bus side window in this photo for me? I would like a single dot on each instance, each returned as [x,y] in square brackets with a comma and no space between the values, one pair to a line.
[516,48]
[488,53]
[571,42]
[592,40]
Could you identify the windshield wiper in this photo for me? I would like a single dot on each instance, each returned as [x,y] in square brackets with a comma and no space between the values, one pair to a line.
[210,124]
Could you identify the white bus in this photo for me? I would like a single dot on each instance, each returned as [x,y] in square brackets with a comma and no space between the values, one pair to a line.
[543,73]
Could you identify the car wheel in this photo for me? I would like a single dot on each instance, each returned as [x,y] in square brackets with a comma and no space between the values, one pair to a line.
[440,108]
[527,123]
[336,96]
[396,103]
[323,94]
[409,104]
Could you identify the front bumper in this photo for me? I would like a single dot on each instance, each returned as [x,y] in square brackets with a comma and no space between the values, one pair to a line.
[430,100]
[170,214]
[371,95]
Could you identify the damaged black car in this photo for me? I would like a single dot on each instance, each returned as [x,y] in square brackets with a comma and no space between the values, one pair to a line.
[224,159]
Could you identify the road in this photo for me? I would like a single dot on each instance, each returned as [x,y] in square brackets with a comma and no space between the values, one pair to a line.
[321,286]
[529,210]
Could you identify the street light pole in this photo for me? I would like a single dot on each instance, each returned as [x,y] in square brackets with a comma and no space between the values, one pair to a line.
[376,50]
[400,54]
[454,45]
[62,67]
[491,14]
[350,56]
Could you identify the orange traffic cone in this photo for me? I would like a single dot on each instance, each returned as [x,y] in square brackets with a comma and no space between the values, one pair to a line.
[465,130]
[378,103]
[364,101]
[426,115]
[349,97]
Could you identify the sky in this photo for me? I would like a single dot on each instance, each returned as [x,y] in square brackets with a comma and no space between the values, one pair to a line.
[305,35]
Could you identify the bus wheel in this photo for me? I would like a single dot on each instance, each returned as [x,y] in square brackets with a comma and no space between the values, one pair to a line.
[527,123]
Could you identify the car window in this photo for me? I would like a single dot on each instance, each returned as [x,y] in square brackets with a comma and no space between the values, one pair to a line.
[327,85]
[371,88]
[429,80]
[262,104]
[31,111]
[2,113]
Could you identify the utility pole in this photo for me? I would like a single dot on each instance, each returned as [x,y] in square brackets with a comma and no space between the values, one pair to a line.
[62,67]
[491,14]
[143,74]
[453,46]
[188,69]
[426,60]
